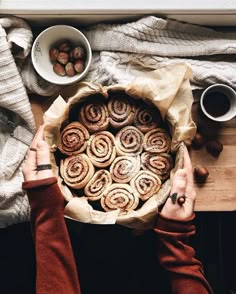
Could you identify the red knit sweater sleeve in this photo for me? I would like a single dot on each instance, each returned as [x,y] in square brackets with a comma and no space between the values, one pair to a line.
[56,269]
[178,257]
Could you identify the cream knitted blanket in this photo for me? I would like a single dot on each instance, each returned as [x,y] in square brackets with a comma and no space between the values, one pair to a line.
[16,121]
[124,51]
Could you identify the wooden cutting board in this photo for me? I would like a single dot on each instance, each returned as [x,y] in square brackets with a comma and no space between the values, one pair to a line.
[219,191]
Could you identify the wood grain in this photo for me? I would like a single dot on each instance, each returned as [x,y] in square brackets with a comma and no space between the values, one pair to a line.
[218,193]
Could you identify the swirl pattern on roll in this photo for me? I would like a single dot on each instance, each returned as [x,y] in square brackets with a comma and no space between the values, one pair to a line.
[119,196]
[146,119]
[121,111]
[157,141]
[73,139]
[129,141]
[115,151]
[124,168]
[145,184]
[101,149]
[159,163]
[94,116]
[77,170]
[99,183]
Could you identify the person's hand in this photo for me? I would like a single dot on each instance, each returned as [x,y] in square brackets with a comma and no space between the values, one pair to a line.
[182,187]
[37,165]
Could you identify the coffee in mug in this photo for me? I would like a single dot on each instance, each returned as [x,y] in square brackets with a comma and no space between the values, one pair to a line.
[218,102]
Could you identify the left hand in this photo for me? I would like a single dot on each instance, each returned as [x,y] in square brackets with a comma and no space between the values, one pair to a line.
[182,185]
[38,155]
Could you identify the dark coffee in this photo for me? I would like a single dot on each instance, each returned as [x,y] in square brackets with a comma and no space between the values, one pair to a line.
[216,103]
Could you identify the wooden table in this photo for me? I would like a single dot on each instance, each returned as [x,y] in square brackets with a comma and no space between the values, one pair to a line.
[218,193]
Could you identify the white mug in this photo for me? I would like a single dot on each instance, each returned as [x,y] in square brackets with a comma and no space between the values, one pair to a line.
[218,102]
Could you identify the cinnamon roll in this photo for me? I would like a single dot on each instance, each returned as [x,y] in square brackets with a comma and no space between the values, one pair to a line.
[76,171]
[121,111]
[99,183]
[119,196]
[145,184]
[124,168]
[157,140]
[73,139]
[129,141]
[101,149]
[147,119]
[94,116]
[159,163]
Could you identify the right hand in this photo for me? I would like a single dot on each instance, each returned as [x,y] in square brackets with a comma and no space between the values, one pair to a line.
[182,185]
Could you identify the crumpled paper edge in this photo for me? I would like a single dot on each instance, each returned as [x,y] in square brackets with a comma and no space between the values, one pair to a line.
[169,89]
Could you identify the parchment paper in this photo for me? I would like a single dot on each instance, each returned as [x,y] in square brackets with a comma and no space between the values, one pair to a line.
[169,90]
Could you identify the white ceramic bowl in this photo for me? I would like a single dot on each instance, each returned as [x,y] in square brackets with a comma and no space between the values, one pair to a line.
[45,41]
